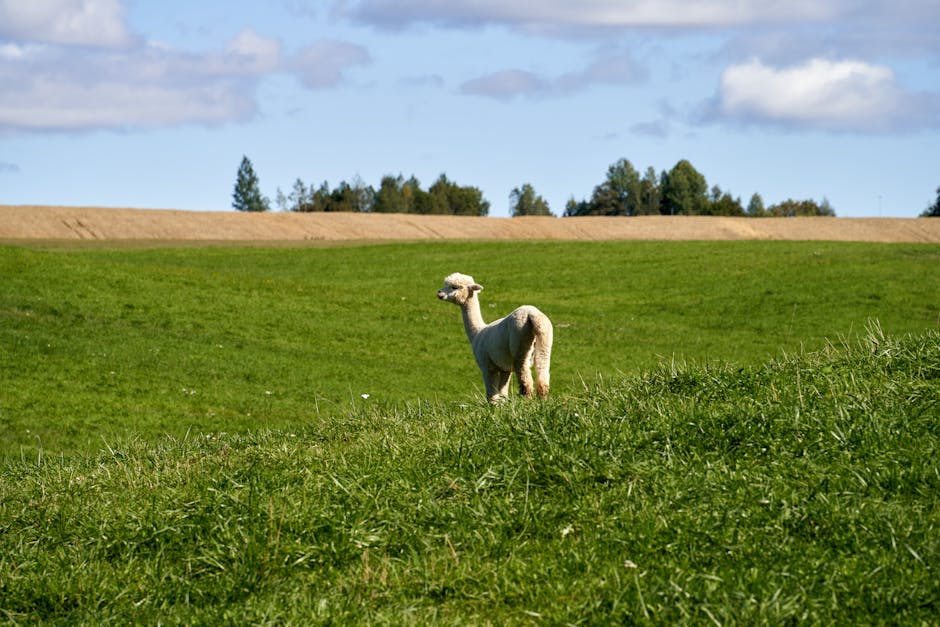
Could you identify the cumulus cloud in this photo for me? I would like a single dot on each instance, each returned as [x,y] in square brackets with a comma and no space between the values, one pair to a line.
[60,89]
[589,13]
[821,94]
[49,84]
[99,23]
[49,92]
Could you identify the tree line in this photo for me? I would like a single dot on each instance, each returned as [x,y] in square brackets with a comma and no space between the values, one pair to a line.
[682,190]
[394,195]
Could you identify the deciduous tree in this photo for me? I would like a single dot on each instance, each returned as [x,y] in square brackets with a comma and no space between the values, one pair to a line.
[575,208]
[449,198]
[723,204]
[299,197]
[623,182]
[684,190]
[755,207]
[390,197]
[525,202]
[650,200]
[803,208]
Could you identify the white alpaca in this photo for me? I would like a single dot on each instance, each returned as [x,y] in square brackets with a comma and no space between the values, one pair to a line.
[506,345]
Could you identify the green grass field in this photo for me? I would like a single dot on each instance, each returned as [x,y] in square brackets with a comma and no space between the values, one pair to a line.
[738,432]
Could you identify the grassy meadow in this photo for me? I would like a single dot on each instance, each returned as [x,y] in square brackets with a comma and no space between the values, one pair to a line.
[97,345]
[738,432]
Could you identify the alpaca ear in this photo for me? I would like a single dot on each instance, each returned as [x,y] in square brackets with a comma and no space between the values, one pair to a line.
[476,287]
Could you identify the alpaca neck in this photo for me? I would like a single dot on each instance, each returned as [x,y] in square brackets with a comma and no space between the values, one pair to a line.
[472,318]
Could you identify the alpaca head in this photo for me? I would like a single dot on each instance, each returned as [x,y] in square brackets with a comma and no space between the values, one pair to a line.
[458,288]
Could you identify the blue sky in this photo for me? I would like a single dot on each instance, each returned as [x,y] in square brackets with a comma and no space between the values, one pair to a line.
[151,104]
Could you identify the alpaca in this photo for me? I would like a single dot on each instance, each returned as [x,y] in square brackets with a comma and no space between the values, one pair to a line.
[506,345]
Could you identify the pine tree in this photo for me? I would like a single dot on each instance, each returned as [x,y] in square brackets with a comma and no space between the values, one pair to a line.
[247,195]
[933,211]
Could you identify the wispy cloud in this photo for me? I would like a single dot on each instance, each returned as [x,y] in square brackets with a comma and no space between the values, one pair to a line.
[427,80]
[8,168]
[616,68]
[654,128]
[324,63]
[821,94]
[507,84]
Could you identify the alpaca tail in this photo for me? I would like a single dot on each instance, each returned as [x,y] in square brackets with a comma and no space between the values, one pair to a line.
[542,356]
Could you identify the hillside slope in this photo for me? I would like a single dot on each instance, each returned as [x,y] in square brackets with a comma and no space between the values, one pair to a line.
[23,222]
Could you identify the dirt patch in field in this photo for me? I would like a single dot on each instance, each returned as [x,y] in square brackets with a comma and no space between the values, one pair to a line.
[22,222]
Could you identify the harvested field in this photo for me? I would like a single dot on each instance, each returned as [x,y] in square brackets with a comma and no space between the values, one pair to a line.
[25,222]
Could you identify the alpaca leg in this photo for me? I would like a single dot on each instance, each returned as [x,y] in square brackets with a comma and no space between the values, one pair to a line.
[523,368]
[541,372]
[523,346]
[500,386]
[542,386]
[543,358]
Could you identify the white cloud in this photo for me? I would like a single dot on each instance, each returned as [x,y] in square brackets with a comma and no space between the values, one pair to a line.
[11,52]
[591,13]
[820,94]
[255,53]
[72,65]
[324,63]
[53,105]
[49,87]
[51,92]
[72,22]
